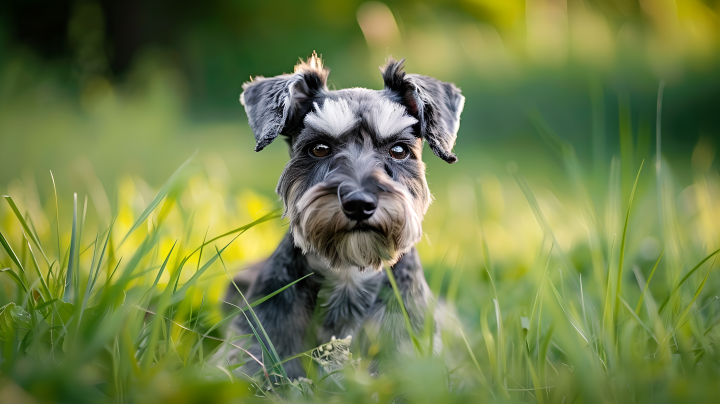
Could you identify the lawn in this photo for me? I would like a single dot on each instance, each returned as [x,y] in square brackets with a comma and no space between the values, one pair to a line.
[571,250]
[554,283]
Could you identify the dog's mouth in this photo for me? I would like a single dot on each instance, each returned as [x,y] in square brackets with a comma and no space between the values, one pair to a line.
[364,226]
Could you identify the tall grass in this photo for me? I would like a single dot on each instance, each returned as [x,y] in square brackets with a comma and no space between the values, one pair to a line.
[597,305]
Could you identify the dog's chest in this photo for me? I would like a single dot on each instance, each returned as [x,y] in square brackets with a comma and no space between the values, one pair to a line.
[344,300]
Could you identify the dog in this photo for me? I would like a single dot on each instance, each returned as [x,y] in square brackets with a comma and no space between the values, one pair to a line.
[355,194]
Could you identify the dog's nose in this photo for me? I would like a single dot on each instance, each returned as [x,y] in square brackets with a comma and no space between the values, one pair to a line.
[359,205]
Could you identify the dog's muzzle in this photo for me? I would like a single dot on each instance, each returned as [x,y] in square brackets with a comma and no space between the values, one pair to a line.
[364,222]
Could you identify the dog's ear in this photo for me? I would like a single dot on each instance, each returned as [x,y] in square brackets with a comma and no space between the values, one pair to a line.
[436,105]
[277,105]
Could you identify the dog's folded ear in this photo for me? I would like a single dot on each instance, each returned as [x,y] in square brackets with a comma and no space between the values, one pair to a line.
[277,105]
[436,105]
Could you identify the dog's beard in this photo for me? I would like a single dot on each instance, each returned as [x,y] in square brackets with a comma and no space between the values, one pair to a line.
[320,226]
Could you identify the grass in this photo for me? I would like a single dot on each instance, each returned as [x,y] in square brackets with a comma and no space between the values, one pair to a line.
[547,291]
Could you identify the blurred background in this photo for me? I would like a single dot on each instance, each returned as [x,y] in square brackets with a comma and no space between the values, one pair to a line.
[135,87]
[560,113]
[113,96]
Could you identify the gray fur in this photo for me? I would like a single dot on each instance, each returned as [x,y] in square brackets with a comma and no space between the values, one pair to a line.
[276,105]
[349,294]
[436,104]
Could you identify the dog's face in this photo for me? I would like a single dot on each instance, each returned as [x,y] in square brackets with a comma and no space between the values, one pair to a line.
[355,189]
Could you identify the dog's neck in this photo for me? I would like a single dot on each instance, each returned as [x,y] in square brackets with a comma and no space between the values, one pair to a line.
[320,266]
[345,295]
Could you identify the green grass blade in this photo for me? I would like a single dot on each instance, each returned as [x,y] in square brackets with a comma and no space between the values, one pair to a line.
[178,294]
[197,318]
[542,354]
[93,244]
[164,190]
[50,273]
[578,327]
[15,278]
[68,297]
[194,326]
[142,336]
[45,304]
[25,226]
[145,247]
[582,302]
[539,216]
[57,218]
[177,278]
[270,216]
[271,352]
[680,320]
[202,246]
[102,254]
[161,270]
[153,343]
[493,351]
[674,289]
[502,365]
[14,258]
[45,291]
[90,275]
[239,310]
[537,295]
[483,380]
[114,270]
[240,230]
[647,284]
[265,298]
[535,380]
[489,341]
[406,318]
[77,262]
[83,304]
[607,306]
[638,320]
[618,291]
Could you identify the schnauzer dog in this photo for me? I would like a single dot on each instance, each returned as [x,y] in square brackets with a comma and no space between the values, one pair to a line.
[355,194]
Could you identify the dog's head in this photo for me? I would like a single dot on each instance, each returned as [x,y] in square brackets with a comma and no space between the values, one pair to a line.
[355,189]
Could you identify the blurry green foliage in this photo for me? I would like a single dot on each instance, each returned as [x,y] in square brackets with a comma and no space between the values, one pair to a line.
[560,115]
[105,74]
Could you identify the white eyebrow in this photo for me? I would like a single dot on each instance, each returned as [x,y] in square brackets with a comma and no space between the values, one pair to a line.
[334,118]
[389,118]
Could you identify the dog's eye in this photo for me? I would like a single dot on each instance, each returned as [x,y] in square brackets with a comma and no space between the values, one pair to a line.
[399,151]
[320,150]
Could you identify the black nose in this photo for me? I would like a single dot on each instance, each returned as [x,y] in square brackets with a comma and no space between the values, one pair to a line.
[359,205]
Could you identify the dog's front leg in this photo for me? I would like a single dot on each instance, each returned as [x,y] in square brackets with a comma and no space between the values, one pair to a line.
[384,336]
